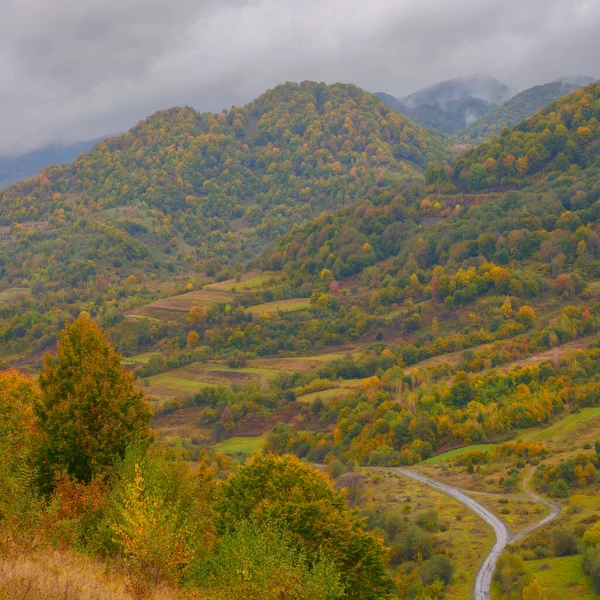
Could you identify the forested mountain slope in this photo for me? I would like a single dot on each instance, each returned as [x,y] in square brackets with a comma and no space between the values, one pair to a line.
[563,137]
[185,194]
[521,106]
[189,183]
[453,282]
[464,212]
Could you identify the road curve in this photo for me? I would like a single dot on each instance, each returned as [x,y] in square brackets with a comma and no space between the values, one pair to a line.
[483,581]
[554,508]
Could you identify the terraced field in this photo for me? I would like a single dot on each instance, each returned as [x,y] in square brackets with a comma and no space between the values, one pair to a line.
[12,294]
[325,395]
[174,307]
[185,381]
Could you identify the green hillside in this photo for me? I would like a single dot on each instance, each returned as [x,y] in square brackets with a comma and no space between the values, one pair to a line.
[184,184]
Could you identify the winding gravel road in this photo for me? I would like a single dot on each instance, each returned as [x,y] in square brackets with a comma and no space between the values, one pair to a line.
[483,581]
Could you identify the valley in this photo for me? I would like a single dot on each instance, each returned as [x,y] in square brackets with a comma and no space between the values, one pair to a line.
[230,299]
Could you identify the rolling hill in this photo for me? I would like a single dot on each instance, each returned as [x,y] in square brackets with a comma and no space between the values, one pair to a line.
[187,184]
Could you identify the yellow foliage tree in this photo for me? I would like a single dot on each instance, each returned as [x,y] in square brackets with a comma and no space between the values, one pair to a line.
[192,339]
[533,591]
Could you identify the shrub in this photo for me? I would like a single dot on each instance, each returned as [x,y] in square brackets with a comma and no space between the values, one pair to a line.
[272,566]
[438,567]
[565,543]
[560,489]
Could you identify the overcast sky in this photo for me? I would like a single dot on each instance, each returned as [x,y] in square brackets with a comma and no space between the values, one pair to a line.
[78,69]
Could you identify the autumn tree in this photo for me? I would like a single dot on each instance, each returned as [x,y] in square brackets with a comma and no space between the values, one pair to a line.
[533,591]
[565,285]
[89,410]
[192,339]
[526,315]
[462,391]
[506,309]
[282,489]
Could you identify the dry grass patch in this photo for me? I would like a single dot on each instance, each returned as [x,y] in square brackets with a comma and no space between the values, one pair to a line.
[517,514]
[183,423]
[55,575]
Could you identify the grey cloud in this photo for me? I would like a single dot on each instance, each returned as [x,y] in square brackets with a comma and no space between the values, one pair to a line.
[76,69]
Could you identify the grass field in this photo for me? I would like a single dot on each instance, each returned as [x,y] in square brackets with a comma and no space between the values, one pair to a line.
[324,395]
[242,445]
[351,352]
[582,423]
[249,281]
[452,454]
[280,305]
[560,579]
[139,359]
[563,431]
[190,379]
[564,579]
[518,514]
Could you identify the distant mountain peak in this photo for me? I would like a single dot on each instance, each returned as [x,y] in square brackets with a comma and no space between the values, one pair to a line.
[480,86]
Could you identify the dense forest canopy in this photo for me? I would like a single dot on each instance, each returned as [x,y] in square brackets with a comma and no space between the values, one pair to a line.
[559,138]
